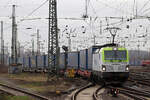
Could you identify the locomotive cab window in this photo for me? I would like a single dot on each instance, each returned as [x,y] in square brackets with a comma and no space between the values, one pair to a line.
[115,54]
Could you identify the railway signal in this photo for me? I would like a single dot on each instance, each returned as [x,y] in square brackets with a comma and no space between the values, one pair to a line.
[66,56]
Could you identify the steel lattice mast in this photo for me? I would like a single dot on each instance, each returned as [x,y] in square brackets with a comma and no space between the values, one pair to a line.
[53,48]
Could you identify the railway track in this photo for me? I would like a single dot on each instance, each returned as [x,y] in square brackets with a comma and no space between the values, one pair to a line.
[10,88]
[135,94]
[127,91]
[142,82]
[5,92]
[74,96]
[140,75]
[132,95]
[140,78]
[95,94]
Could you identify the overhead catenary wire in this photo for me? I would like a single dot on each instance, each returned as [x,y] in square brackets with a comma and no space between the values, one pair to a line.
[113,23]
[7,3]
[107,5]
[60,18]
[94,11]
[122,4]
[38,18]
[35,9]
[145,11]
[146,3]
[71,18]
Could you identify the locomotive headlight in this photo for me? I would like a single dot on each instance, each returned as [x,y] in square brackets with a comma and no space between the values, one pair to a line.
[127,68]
[103,68]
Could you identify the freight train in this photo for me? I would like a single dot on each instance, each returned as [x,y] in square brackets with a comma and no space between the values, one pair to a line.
[107,62]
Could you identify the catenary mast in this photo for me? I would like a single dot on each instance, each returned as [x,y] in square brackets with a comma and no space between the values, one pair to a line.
[2,44]
[53,48]
[14,38]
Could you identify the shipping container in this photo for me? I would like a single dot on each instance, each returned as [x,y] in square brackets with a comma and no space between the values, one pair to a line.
[44,61]
[62,61]
[90,56]
[27,62]
[83,59]
[40,61]
[73,60]
[6,59]
[33,61]
[20,60]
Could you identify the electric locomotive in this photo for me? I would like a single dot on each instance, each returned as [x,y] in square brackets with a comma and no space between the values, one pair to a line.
[110,64]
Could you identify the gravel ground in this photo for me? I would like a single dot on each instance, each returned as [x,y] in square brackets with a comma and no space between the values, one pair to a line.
[36,82]
[54,89]
[106,96]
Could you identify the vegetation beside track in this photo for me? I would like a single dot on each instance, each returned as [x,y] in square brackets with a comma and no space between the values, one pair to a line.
[37,82]
[8,97]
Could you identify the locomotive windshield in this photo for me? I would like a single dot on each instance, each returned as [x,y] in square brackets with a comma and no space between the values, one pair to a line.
[115,54]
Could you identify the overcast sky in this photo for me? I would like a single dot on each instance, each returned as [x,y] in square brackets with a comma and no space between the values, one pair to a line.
[97,9]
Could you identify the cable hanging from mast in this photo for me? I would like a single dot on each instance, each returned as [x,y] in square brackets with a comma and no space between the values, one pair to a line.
[35,9]
[144,6]
[120,10]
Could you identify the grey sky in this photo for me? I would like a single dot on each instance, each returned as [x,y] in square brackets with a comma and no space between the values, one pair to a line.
[69,9]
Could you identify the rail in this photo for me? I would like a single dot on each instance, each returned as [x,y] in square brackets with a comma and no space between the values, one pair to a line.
[25,92]
[74,96]
[95,96]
